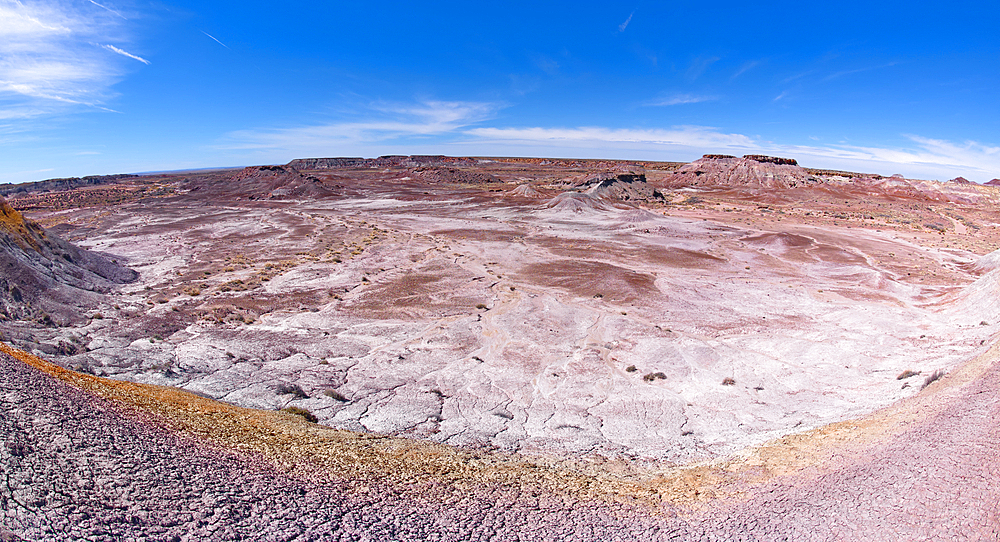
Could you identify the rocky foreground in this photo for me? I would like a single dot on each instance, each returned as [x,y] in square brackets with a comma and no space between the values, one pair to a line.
[79,466]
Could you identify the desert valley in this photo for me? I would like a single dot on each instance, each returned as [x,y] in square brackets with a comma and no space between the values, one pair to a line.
[442,348]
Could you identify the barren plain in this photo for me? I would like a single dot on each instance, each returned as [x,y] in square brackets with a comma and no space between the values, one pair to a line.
[732,349]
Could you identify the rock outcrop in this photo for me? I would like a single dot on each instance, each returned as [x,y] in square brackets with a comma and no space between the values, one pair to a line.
[45,278]
[993,182]
[961,180]
[52,185]
[755,171]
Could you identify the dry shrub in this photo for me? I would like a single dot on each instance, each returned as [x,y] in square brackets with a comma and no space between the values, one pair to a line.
[294,389]
[299,411]
[933,376]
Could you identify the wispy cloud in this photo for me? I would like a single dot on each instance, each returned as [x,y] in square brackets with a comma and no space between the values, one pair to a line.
[699,65]
[102,6]
[384,122]
[843,73]
[678,136]
[927,158]
[125,53]
[623,26]
[781,96]
[216,39]
[48,56]
[747,66]
[680,99]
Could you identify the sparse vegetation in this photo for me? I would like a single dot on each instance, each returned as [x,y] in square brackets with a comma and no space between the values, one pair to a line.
[299,411]
[654,376]
[630,369]
[729,381]
[335,395]
[293,389]
[907,374]
[936,375]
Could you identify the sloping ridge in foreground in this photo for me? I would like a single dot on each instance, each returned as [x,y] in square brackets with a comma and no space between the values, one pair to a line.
[102,459]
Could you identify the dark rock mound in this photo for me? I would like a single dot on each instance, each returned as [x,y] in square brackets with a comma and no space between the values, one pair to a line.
[993,182]
[961,180]
[45,278]
[389,161]
[615,184]
[771,160]
[326,163]
[261,182]
[622,187]
[453,175]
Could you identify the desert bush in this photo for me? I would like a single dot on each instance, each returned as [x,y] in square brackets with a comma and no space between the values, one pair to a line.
[299,411]
[294,389]
[631,369]
[654,376]
[932,377]
[729,381]
[907,374]
[335,395]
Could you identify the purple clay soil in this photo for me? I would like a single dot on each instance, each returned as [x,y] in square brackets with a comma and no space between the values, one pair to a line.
[73,468]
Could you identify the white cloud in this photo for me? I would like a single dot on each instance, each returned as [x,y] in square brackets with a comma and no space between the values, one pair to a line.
[49,57]
[387,121]
[680,99]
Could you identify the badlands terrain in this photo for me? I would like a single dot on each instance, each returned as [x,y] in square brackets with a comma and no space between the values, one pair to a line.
[437,348]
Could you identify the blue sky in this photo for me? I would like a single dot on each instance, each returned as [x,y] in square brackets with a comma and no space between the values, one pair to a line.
[108,86]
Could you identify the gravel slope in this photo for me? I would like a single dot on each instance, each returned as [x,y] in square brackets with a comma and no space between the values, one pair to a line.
[74,468]
[77,467]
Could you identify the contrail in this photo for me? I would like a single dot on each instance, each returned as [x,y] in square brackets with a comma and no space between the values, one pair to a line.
[213,37]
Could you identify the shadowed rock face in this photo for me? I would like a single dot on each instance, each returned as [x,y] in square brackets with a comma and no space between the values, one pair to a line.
[43,276]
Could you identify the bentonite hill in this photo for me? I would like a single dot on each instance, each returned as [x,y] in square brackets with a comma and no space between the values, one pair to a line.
[438,348]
